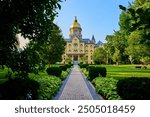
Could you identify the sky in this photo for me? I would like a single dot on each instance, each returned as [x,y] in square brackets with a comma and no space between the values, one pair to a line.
[96,17]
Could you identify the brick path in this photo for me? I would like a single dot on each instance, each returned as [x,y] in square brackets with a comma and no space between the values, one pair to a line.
[76,87]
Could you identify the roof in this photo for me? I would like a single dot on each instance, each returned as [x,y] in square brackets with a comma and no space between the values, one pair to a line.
[99,43]
[75,24]
[86,40]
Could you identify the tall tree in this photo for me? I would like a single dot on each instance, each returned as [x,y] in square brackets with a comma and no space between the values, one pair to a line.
[31,18]
[99,56]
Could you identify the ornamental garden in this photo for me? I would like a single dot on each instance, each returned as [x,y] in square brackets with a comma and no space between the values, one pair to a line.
[118,69]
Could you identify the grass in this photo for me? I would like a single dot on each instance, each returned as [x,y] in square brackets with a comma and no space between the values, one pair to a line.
[118,71]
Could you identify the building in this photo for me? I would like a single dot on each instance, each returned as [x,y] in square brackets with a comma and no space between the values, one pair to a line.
[78,48]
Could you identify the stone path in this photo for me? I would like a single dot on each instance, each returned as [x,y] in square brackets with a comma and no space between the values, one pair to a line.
[76,87]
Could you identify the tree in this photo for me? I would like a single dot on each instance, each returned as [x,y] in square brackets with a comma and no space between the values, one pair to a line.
[56,46]
[83,59]
[31,18]
[138,18]
[136,50]
[109,48]
[99,56]
[68,60]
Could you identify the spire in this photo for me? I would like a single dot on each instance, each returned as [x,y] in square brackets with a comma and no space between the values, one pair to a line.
[75,19]
[93,39]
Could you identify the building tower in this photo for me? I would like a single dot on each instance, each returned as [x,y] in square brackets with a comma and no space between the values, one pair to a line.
[75,29]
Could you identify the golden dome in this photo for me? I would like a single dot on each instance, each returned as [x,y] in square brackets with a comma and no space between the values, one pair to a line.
[75,23]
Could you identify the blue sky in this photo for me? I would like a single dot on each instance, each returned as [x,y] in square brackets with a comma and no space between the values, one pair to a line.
[96,17]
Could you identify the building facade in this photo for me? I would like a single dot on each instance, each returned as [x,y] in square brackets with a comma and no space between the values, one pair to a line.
[78,48]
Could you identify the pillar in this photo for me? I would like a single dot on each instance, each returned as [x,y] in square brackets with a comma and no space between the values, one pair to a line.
[78,58]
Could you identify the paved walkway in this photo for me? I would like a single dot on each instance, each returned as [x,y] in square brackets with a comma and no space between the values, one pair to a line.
[76,87]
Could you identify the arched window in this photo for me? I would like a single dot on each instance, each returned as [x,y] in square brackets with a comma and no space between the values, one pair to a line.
[86,47]
[75,46]
[91,46]
[81,46]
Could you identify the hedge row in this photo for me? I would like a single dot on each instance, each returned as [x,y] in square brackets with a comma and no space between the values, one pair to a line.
[107,87]
[49,86]
[125,88]
[41,87]
[96,72]
[134,88]
[83,65]
[57,71]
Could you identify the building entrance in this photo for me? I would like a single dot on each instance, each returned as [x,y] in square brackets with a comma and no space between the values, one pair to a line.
[75,58]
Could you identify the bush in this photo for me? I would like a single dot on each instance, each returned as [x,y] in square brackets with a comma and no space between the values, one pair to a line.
[64,75]
[18,88]
[55,71]
[84,70]
[65,67]
[106,87]
[49,86]
[83,65]
[96,72]
[134,88]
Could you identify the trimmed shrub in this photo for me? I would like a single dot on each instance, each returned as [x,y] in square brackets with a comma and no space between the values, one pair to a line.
[83,65]
[18,88]
[55,71]
[96,72]
[49,86]
[64,75]
[107,87]
[65,67]
[134,88]
[84,70]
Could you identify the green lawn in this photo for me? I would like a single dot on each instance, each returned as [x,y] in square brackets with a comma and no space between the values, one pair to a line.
[118,71]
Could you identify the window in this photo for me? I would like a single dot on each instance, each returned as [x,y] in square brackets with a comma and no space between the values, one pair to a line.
[91,46]
[81,46]
[75,46]
[86,47]
[91,57]
[75,51]
[69,46]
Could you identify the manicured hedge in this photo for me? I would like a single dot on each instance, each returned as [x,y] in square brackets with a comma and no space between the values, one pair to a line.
[18,88]
[42,87]
[64,75]
[107,87]
[55,71]
[49,86]
[96,72]
[65,67]
[134,88]
[83,65]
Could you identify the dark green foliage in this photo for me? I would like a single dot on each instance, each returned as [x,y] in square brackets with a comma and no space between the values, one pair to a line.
[55,71]
[96,72]
[107,87]
[134,88]
[18,88]
[64,75]
[83,65]
[49,86]
[41,86]
[65,67]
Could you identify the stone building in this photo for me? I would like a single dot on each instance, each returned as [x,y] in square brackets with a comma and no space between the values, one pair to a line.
[78,48]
